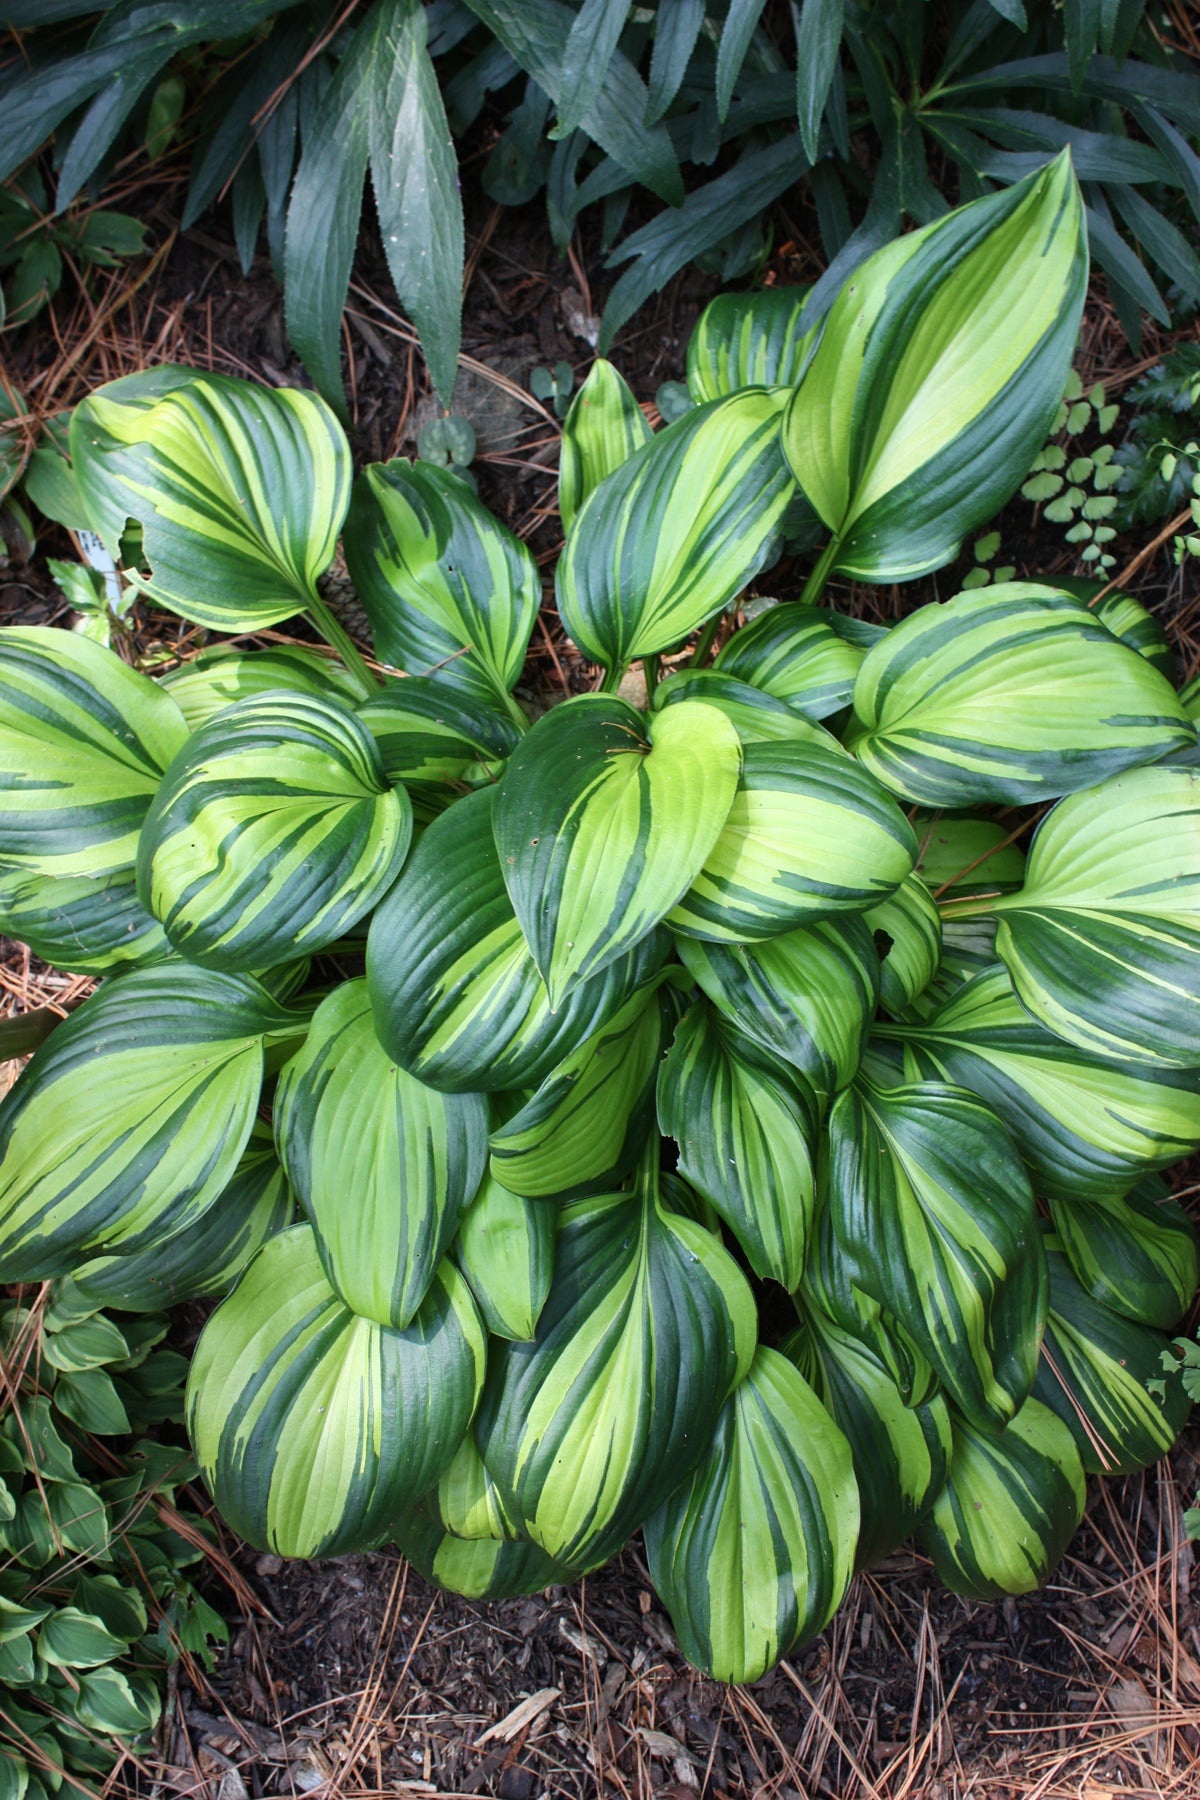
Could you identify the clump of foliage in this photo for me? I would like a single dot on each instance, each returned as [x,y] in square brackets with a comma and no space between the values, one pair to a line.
[34,241]
[1159,461]
[633,1018]
[291,107]
[96,1597]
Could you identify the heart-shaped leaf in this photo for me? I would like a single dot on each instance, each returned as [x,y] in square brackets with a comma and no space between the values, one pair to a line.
[272,833]
[603,820]
[240,491]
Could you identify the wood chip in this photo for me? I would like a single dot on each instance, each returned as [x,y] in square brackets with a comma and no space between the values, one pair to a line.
[520,1717]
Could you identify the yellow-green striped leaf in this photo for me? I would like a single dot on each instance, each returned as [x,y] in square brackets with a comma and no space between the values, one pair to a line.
[204,1261]
[754,1554]
[505,1248]
[130,1121]
[84,740]
[901,1453]
[967,855]
[240,491]
[85,926]
[1010,693]
[1126,618]
[809,834]
[1087,1127]
[648,1326]
[602,429]
[746,1127]
[807,996]
[222,674]
[272,833]
[602,820]
[317,1430]
[1103,940]
[385,1166]
[429,734]
[1010,1507]
[806,655]
[448,589]
[938,374]
[908,933]
[457,997]
[467,1501]
[584,1128]
[1094,1372]
[476,1568]
[828,1286]
[757,717]
[761,339]
[934,1218]
[1136,1256]
[677,531]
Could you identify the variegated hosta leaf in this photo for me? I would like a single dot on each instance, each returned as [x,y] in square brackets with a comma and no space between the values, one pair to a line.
[1010,1507]
[449,590]
[476,1568]
[273,832]
[808,995]
[901,1453]
[603,428]
[458,1000]
[746,1126]
[602,820]
[467,1501]
[1137,1256]
[1103,940]
[934,1218]
[1010,693]
[428,733]
[240,491]
[108,424]
[384,1165]
[757,717]
[966,855]
[648,1326]
[1094,1372]
[130,1121]
[505,1248]
[204,1261]
[84,740]
[827,1285]
[760,339]
[584,1128]
[1126,618]
[1086,1127]
[754,1554]
[677,531]
[938,374]
[806,655]
[223,674]
[809,834]
[86,926]
[912,924]
[315,1429]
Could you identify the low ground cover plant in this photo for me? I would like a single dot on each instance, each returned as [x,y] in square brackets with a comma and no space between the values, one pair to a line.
[97,1546]
[888,109]
[861,966]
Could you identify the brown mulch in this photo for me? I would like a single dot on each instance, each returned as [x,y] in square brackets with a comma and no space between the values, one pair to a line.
[354,1678]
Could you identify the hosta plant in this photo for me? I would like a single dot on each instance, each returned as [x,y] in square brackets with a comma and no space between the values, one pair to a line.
[859,966]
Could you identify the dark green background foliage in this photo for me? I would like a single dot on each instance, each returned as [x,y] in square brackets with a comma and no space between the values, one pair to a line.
[889,109]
